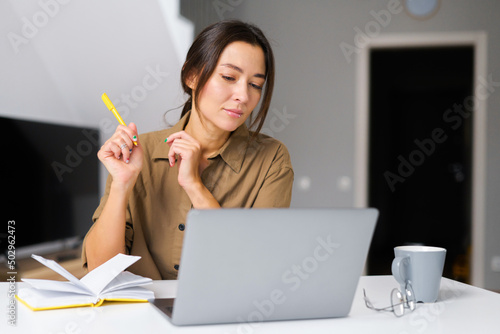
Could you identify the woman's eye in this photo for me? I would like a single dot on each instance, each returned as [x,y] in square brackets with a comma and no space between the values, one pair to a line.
[227,78]
[233,79]
[256,86]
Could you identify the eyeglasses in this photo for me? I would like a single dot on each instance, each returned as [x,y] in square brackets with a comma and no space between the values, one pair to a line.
[399,301]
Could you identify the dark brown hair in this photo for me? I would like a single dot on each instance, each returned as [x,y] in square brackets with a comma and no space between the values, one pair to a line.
[205,52]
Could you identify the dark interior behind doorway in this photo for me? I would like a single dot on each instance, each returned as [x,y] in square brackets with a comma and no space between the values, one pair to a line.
[420,158]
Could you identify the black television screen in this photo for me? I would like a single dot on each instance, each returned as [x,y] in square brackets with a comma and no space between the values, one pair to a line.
[51,182]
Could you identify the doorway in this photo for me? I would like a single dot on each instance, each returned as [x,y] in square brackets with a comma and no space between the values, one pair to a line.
[421,147]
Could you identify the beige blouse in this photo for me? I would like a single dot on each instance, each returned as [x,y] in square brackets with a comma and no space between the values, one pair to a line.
[243,173]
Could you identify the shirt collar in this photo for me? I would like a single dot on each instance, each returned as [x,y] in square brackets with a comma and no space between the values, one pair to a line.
[232,152]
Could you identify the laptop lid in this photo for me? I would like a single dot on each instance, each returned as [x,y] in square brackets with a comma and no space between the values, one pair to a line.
[254,265]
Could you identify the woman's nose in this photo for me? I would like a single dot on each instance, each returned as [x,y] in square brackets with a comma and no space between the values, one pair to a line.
[241,92]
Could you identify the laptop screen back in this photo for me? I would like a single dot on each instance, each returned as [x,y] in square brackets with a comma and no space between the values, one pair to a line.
[253,265]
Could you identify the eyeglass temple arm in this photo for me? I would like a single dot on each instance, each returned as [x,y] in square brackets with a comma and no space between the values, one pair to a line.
[370,305]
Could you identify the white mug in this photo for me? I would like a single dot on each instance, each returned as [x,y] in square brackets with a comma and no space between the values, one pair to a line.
[421,267]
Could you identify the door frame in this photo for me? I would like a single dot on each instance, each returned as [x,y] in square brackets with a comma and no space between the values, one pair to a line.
[478,40]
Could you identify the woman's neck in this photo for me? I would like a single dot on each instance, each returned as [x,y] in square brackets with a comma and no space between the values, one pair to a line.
[210,138]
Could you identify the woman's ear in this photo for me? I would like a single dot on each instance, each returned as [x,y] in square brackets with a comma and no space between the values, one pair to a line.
[191,81]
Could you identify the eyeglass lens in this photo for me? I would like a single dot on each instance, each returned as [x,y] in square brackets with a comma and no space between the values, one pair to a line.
[400,301]
[410,297]
[397,302]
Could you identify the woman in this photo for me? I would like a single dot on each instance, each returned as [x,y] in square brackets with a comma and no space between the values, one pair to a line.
[209,159]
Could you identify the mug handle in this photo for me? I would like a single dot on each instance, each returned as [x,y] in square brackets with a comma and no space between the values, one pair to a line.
[400,270]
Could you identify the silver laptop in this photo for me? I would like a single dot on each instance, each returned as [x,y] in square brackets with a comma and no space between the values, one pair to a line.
[254,265]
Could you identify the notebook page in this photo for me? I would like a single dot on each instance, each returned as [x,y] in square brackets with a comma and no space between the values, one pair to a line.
[100,277]
[43,284]
[61,271]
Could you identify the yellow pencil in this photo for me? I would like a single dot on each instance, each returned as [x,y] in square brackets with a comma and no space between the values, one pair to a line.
[112,108]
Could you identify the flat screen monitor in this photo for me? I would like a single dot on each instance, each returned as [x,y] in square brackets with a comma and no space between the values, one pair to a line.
[50,178]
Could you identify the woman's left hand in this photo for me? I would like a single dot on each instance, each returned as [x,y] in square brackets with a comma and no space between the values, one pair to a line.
[188,152]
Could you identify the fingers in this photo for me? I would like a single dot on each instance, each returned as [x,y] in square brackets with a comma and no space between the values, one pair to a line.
[179,135]
[121,143]
[182,149]
[182,145]
[133,127]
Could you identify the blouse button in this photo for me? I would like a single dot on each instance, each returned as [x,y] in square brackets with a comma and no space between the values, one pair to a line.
[182,227]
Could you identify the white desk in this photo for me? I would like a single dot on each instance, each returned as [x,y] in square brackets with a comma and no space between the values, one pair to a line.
[461,309]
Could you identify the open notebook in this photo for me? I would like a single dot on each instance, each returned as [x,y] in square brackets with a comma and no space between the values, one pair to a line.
[108,282]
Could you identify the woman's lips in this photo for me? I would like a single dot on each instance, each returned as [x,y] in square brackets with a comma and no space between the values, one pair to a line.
[236,113]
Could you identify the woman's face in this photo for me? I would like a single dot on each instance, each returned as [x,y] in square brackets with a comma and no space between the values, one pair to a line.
[234,88]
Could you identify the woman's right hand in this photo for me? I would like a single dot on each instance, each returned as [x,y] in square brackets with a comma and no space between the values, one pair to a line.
[121,157]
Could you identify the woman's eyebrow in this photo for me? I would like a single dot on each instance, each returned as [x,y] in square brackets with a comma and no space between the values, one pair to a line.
[236,68]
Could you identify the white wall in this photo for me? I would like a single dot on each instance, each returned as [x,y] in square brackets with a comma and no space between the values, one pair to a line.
[58,57]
